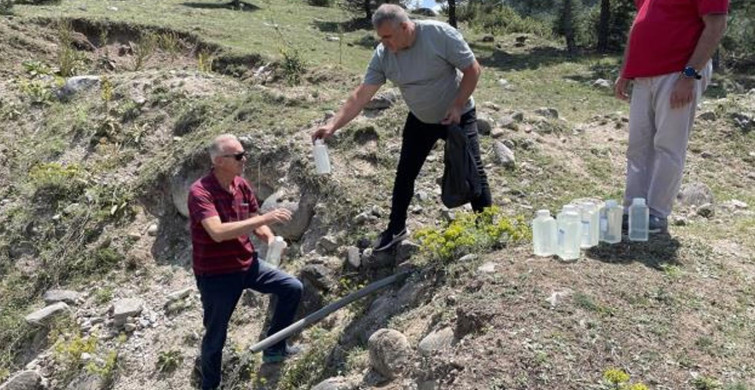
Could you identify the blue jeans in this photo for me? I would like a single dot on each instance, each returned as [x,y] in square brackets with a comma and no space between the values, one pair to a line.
[221,293]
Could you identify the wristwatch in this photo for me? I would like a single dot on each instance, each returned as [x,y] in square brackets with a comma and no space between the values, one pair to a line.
[690,73]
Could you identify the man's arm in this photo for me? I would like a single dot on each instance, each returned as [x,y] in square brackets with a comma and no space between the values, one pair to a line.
[264,233]
[220,231]
[621,85]
[684,88]
[471,75]
[353,106]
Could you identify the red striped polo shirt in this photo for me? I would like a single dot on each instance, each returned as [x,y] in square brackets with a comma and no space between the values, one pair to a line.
[208,199]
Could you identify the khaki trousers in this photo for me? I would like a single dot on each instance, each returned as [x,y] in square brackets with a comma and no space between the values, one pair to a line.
[658,137]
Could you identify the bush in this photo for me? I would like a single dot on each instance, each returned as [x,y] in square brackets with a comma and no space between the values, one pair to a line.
[293,64]
[55,181]
[472,232]
[70,61]
[143,50]
[6,7]
[499,19]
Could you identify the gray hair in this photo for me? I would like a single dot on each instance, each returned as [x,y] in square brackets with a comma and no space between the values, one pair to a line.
[389,13]
[217,147]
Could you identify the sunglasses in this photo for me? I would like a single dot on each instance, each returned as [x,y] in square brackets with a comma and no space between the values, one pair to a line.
[238,156]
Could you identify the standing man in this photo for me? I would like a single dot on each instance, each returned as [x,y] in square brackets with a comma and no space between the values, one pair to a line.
[436,72]
[667,59]
[223,212]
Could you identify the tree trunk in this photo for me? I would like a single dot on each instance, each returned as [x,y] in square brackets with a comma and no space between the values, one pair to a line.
[452,13]
[367,10]
[568,26]
[603,28]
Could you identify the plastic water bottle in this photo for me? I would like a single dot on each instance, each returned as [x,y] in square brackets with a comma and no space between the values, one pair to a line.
[639,217]
[595,225]
[569,222]
[589,225]
[275,250]
[544,231]
[610,222]
[322,162]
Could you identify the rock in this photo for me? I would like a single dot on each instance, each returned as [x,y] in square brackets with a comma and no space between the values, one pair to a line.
[508,122]
[497,133]
[353,256]
[88,381]
[469,257]
[557,297]
[518,116]
[695,194]
[509,143]
[487,268]
[76,84]
[706,154]
[421,196]
[25,380]
[125,308]
[483,125]
[390,353]
[735,204]
[328,243]
[362,218]
[152,229]
[680,221]
[547,112]
[319,275]
[332,39]
[427,385]
[602,83]
[44,315]
[129,327]
[436,341]
[504,156]
[424,11]
[383,100]
[707,116]
[504,83]
[302,207]
[67,296]
[744,121]
[180,294]
[336,383]
[707,211]
[375,260]
[488,38]
[406,249]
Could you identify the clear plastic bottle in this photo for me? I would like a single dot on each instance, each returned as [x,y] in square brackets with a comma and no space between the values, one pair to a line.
[275,250]
[322,162]
[569,222]
[610,222]
[544,234]
[639,217]
[589,227]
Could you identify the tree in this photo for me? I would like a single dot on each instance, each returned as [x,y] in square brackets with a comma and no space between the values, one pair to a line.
[566,24]
[365,7]
[605,18]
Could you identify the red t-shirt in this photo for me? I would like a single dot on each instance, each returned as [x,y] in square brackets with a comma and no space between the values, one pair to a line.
[665,33]
[208,199]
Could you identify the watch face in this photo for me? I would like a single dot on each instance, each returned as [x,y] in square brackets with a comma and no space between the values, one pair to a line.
[690,72]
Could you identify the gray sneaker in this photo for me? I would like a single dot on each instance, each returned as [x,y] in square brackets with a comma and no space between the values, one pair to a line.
[657,225]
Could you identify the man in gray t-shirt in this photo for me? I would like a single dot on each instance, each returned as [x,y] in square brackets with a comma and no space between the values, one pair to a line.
[436,72]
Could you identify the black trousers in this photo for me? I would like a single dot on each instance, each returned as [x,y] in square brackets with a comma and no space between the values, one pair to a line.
[417,142]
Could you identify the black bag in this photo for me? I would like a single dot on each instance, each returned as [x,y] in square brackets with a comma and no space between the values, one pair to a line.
[461,181]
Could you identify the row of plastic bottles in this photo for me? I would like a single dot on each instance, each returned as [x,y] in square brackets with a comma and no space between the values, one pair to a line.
[585,225]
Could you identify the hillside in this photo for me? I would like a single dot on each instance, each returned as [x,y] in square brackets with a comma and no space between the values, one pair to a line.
[92,201]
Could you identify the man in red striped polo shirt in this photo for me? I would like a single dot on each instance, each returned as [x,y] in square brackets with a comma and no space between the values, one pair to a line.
[667,60]
[223,212]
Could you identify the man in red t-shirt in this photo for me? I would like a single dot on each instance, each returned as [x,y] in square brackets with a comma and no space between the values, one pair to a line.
[223,212]
[667,59]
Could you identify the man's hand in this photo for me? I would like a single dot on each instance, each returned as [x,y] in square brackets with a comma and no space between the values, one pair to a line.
[621,88]
[277,216]
[453,116]
[683,92]
[323,132]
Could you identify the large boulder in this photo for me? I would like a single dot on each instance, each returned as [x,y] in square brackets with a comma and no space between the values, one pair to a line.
[390,353]
[77,84]
[504,155]
[695,194]
[302,207]
[124,308]
[67,296]
[383,100]
[25,380]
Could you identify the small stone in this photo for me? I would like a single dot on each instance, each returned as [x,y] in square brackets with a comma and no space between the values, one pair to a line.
[112,8]
[421,196]
[328,243]
[547,112]
[706,211]
[436,341]
[361,218]
[42,316]
[680,221]
[129,327]
[503,83]
[508,122]
[67,296]
[706,154]
[134,236]
[557,297]
[333,39]
[468,258]
[483,125]
[488,268]
[125,308]
[180,294]
[509,143]
[448,215]
[406,249]
[518,116]
[709,116]
[602,83]
[736,204]
[488,38]
[352,256]
[505,157]
[152,230]
[497,133]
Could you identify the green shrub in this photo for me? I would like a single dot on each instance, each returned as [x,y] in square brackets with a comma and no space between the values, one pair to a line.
[500,19]
[6,8]
[293,65]
[55,181]
[70,61]
[472,232]
[304,372]
[144,49]
[168,361]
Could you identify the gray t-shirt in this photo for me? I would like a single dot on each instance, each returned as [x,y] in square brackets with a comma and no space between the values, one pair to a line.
[427,73]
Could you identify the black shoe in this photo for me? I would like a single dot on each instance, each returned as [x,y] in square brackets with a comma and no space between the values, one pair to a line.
[657,225]
[271,355]
[387,239]
[625,224]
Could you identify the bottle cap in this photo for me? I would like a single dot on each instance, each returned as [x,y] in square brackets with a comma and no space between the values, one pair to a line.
[543,213]
[638,201]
